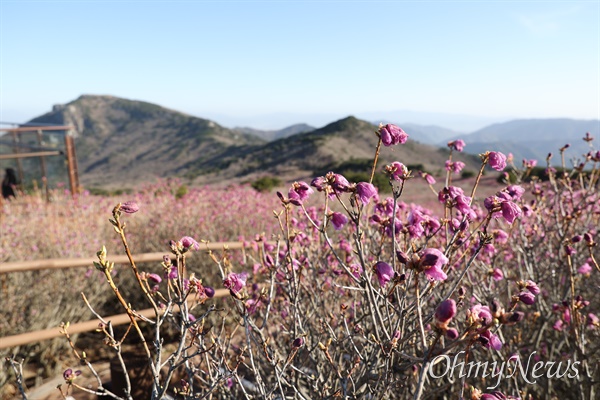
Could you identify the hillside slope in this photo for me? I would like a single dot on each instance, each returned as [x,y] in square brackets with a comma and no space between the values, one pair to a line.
[348,139]
[126,141]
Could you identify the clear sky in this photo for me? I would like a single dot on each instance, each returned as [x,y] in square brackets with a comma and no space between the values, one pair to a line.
[269,63]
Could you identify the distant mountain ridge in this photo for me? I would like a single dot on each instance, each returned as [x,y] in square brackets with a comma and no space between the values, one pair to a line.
[348,139]
[534,138]
[124,142]
[275,134]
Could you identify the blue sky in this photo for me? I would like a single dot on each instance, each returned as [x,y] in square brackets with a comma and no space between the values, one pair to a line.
[272,63]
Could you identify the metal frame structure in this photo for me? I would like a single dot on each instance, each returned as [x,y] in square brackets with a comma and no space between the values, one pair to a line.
[42,152]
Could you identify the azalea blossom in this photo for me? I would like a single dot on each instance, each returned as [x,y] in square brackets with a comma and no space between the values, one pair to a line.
[392,135]
[299,192]
[397,171]
[235,283]
[365,192]
[154,277]
[431,262]
[189,243]
[454,166]
[338,220]
[497,160]
[489,340]
[457,145]
[527,298]
[384,272]
[510,211]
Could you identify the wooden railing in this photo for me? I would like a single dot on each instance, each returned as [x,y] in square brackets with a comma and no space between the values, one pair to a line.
[87,326]
[58,263]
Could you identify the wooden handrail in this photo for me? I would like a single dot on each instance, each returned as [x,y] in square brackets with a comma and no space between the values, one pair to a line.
[34,154]
[87,326]
[39,128]
[58,263]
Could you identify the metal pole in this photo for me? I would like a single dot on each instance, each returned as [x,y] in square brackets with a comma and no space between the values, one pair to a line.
[16,140]
[43,167]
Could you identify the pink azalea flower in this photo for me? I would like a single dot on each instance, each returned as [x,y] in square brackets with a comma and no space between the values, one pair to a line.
[497,274]
[397,171]
[510,211]
[497,160]
[515,191]
[454,166]
[457,145]
[189,243]
[365,192]
[384,273]
[463,204]
[235,282]
[500,236]
[592,321]
[585,269]
[338,182]
[356,269]
[320,183]
[154,277]
[299,192]
[489,340]
[527,298]
[171,272]
[532,287]
[391,135]
[431,261]
[338,220]
[558,325]
[481,313]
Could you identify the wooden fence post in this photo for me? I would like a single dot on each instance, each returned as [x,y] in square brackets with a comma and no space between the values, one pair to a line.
[72,164]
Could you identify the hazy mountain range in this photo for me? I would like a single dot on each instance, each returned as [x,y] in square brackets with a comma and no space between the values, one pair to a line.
[123,142]
[535,138]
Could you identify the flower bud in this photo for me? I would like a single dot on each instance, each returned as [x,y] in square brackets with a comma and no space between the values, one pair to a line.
[527,298]
[445,311]
[298,342]
[129,207]
[452,333]
[402,257]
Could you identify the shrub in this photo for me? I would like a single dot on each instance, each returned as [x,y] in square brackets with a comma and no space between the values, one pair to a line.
[181,191]
[380,298]
[266,183]
[466,174]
